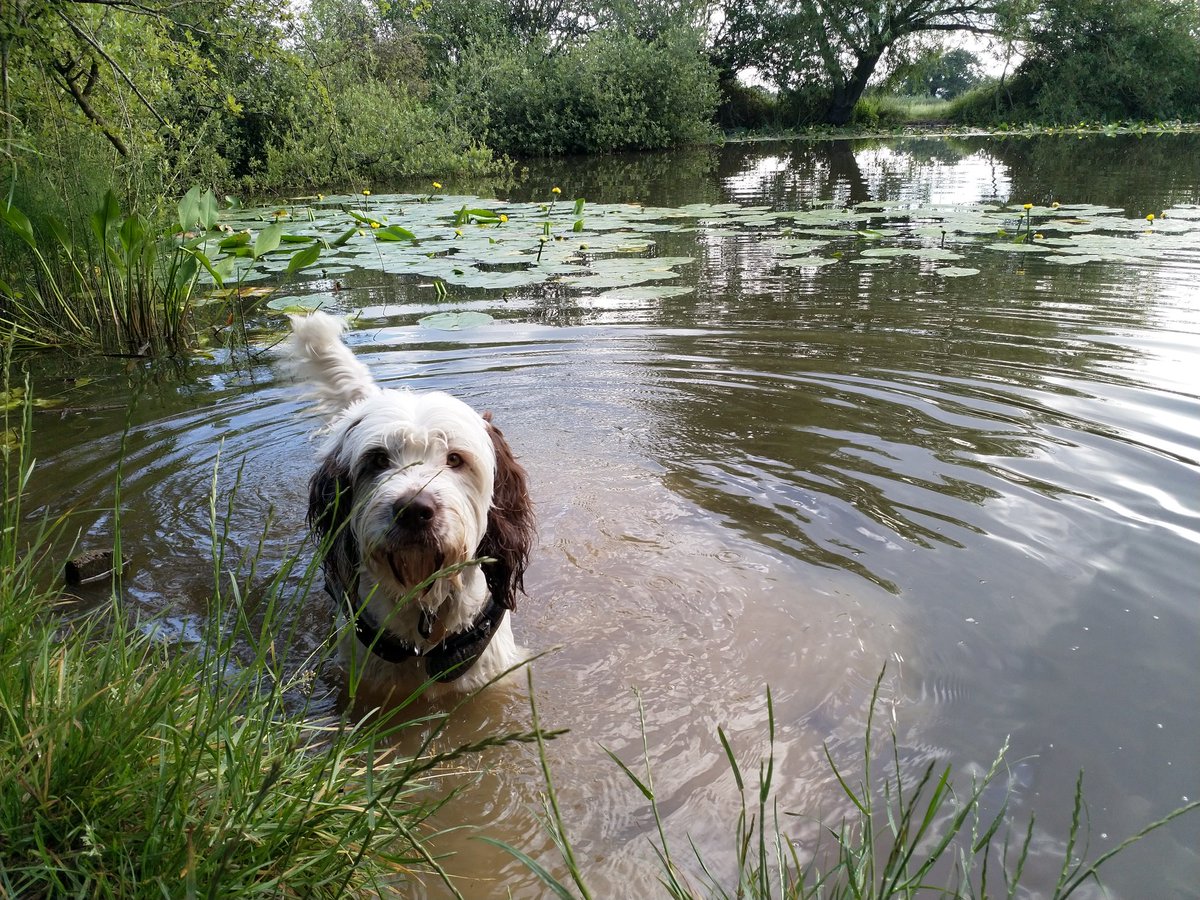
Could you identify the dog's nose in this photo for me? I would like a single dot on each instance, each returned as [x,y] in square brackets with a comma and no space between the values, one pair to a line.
[413,513]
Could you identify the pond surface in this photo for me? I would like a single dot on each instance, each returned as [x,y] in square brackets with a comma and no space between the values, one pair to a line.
[786,476]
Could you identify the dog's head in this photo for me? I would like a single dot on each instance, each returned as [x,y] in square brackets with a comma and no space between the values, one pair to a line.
[410,483]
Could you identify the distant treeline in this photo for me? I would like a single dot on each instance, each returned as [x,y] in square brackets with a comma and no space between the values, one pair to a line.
[151,96]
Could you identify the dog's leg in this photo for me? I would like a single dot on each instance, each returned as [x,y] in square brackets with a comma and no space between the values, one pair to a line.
[321,357]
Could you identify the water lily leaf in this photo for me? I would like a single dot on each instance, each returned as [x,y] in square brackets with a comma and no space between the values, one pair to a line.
[805,262]
[298,304]
[646,292]
[1077,259]
[1009,247]
[793,246]
[956,271]
[455,321]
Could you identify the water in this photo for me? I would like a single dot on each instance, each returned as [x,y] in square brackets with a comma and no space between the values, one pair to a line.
[787,479]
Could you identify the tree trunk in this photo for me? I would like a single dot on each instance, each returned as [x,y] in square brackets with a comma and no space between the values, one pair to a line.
[847,93]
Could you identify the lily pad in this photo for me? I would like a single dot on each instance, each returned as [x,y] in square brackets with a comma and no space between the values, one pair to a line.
[805,262]
[646,292]
[290,304]
[956,271]
[455,321]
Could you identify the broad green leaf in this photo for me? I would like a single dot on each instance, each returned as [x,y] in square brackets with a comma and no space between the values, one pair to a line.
[394,233]
[189,209]
[303,258]
[240,239]
[19,223]
[268,239]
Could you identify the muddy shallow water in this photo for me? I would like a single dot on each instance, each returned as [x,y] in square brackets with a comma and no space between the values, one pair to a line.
[787,478]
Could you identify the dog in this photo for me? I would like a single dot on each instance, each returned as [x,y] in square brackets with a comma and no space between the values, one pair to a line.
[423,518]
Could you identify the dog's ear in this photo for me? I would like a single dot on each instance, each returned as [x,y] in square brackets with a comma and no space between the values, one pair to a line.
[510,532]
[330,501]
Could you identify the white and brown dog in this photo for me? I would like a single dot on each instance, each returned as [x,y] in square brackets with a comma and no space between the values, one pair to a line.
[424,519]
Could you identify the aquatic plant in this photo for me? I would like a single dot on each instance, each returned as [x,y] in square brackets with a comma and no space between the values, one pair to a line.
[901,837]
[128,285]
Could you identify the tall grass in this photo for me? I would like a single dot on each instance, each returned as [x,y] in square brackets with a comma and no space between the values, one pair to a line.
[902,838]
[134,768]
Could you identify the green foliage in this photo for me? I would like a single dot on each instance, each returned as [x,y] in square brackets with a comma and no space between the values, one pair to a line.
[372,133]
[746,106]
[126,283]
[1108,60]
[939,73]
[614,91]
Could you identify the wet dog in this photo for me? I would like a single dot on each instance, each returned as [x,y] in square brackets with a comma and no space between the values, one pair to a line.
[423,517]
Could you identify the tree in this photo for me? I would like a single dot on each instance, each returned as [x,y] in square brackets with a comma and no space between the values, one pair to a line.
[937,72]
[1110,59]
[839,44]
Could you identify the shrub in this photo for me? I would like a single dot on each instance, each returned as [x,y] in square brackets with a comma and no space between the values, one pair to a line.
[615,91]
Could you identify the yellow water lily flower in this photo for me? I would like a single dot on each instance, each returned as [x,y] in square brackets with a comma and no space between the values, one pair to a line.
[1038,236]
[458,232]
[503,217]
[437,185]
[1027,206]
[366,193]
[374,224]
[1054,205]
[556,190]
[1150,218]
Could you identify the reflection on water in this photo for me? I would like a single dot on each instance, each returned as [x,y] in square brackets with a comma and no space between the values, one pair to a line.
[786,479]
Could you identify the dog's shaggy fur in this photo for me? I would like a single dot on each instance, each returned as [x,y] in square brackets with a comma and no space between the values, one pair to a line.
[409,485]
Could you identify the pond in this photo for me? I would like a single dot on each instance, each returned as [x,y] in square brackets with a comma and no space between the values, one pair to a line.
[786,448]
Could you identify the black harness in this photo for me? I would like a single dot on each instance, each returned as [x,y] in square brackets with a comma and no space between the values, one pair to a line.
[445,661]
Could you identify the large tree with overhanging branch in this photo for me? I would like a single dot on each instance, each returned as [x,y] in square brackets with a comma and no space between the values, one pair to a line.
[838,45]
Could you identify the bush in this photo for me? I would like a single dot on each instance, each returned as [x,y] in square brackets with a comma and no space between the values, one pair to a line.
[369,132]
[615,91]
[746,106]
[1108,60]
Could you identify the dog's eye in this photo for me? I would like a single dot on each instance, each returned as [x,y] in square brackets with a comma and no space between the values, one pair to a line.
[375,461]
[453,460]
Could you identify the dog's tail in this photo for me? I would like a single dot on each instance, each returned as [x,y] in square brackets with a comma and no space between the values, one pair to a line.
[318,355]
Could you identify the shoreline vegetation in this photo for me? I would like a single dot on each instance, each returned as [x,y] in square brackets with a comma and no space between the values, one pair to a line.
[141,764]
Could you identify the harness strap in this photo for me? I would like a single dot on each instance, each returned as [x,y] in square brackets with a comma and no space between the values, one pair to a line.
[446,661]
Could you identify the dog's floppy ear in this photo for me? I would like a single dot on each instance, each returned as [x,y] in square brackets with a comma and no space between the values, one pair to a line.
[330,500]
[510,532]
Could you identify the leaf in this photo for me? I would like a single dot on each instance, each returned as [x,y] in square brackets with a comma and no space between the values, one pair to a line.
[455,321]
[208,212]
[394,233]
[212,270]
[106,215]
[305,257]
[241,239]
[189,209]
[956,271]
[19,223]
[344,237]
[268,239]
